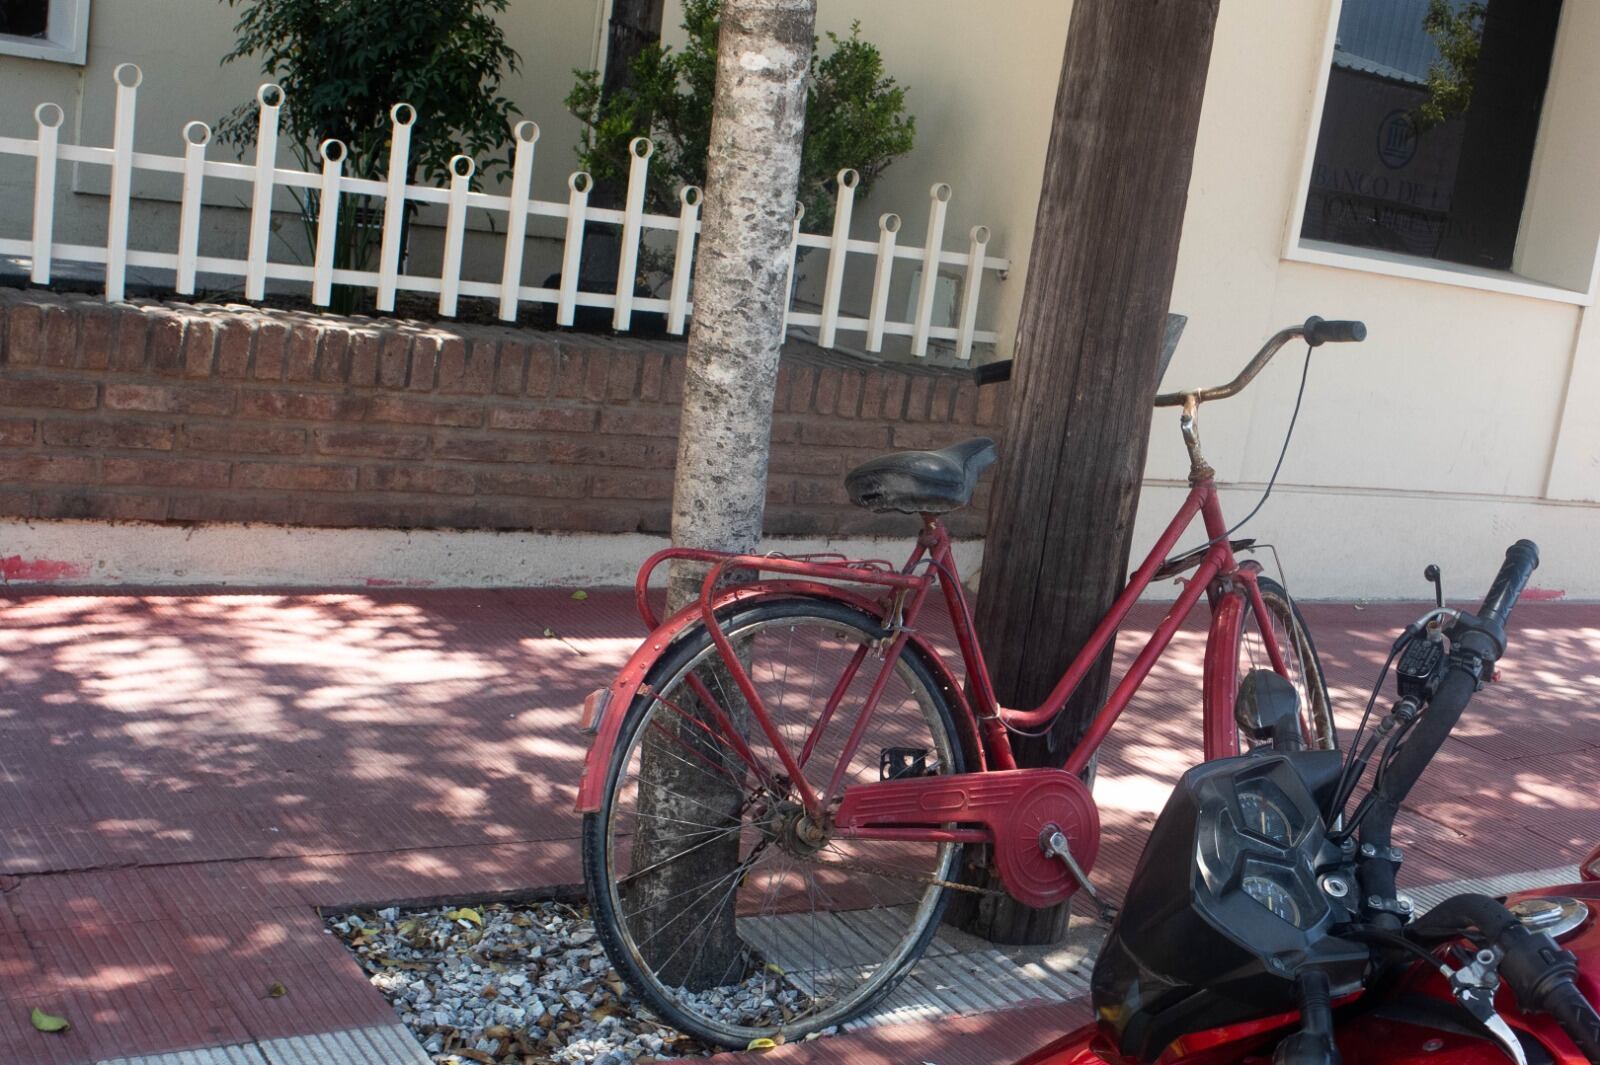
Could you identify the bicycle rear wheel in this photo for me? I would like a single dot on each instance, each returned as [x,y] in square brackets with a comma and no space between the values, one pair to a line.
[730,913]
[1237,641]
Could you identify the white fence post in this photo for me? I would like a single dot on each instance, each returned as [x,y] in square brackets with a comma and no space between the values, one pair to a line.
[527,135]
[255,275]
[842,208]
[128,76]
[938,196]
[969,291]
[49,118]
[639,151]
[394,203]
[333,152]
[196,135]
[683,263]
[461,170]
[888,227]
[325,182]
[578,186]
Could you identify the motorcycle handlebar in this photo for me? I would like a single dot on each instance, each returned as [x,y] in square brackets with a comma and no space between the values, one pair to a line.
[1522,558]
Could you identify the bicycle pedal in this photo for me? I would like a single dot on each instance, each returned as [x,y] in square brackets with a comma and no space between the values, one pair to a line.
[1054,843]
[902,763]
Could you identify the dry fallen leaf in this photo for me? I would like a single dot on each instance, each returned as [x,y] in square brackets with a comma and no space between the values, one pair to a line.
[467,914]
[580,595]
[276,990]
[761,1043]
[49,1022]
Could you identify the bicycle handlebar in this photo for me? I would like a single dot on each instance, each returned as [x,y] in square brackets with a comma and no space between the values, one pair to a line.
[1315,331]
[1319,332]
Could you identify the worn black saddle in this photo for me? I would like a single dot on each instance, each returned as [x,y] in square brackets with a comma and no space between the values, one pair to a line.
[921,482]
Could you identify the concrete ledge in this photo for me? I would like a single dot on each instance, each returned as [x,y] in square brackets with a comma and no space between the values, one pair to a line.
[91,553]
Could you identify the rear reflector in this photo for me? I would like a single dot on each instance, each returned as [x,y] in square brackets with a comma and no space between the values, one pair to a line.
[594,708]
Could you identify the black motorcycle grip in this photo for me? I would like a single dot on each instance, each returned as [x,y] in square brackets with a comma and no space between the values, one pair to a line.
[1576,1017]
[1318,332]
[1522,558]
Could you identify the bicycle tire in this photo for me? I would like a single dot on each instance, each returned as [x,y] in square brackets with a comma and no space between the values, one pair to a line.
[606,832]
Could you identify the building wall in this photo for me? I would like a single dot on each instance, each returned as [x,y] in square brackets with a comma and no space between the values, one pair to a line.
[1464,421]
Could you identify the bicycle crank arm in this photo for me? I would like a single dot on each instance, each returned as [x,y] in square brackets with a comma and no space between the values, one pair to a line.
[1006,808]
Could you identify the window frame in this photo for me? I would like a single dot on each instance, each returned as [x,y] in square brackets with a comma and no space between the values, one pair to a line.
[66,40]
[1413,267]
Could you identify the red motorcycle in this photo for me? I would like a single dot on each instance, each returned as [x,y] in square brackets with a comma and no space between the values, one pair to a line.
[1263,923]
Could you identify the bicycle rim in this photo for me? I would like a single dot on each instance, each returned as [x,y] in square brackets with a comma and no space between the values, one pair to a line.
[712,892]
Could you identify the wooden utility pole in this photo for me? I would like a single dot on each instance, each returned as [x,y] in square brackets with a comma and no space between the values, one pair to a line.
[1094,309]
[741,295]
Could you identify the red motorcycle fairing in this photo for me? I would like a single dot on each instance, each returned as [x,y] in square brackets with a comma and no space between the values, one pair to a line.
[1370,1038]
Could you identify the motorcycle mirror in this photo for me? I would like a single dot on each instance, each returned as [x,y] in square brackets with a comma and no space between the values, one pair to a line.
[1432,574]
[1267,709]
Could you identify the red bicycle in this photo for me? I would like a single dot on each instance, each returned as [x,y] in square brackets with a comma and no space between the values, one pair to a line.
[784,775]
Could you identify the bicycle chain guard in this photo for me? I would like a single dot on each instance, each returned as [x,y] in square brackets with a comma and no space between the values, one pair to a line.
[1014,805]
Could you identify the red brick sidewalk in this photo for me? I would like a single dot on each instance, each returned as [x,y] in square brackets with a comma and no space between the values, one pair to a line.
[184,778]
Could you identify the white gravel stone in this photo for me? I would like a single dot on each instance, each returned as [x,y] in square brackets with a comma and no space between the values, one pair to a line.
[527,980]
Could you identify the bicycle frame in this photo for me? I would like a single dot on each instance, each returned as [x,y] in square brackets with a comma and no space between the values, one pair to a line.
[900,605]
[903,595]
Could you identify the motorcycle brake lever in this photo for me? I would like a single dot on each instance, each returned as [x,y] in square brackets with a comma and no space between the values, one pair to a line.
[1473,986]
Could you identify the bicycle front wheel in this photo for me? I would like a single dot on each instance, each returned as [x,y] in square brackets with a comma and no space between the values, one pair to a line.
[1238,645]
[729,911]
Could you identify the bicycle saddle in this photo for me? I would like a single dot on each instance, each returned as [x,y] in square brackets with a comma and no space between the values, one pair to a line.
[921,482]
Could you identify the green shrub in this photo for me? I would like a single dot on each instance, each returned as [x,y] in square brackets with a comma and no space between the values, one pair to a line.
[344,63]
[855,117]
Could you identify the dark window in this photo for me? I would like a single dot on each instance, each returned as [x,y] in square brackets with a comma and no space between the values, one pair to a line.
[24,18]
[1428,126]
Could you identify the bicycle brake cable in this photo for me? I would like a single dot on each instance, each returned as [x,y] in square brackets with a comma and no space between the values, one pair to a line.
[1305,372]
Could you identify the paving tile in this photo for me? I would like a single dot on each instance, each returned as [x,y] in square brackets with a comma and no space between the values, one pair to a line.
[188,776]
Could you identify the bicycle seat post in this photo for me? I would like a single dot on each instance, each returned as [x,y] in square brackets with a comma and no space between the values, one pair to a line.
[1199,469]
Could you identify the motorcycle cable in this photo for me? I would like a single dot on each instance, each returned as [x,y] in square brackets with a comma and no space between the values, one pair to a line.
[1347,783]
[1368,799]
[1365,933]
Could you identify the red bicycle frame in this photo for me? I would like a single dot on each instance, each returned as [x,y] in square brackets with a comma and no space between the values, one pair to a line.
[905,596]
[901,595]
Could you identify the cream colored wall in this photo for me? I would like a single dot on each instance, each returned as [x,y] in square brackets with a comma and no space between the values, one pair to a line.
[178,44]
[1466,419]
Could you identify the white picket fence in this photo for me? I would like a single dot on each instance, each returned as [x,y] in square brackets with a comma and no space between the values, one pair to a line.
[263,176]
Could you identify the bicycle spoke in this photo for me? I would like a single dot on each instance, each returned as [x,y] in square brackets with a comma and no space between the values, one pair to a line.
[782,931]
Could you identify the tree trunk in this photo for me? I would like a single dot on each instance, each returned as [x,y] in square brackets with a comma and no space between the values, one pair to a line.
[740,297]
[635,25]
[1094,309]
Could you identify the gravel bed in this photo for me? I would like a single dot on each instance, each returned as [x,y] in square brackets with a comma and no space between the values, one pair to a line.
[507,984]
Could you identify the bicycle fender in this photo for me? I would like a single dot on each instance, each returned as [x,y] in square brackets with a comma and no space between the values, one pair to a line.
[605,708]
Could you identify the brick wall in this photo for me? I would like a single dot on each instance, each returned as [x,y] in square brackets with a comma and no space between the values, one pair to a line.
[170,412]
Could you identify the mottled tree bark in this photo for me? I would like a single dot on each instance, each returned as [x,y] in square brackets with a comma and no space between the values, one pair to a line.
[1089,339]
[740,297]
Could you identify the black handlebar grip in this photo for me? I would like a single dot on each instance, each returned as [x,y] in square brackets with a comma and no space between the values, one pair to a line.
[992,373]
[1318,332]
[1522,558]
